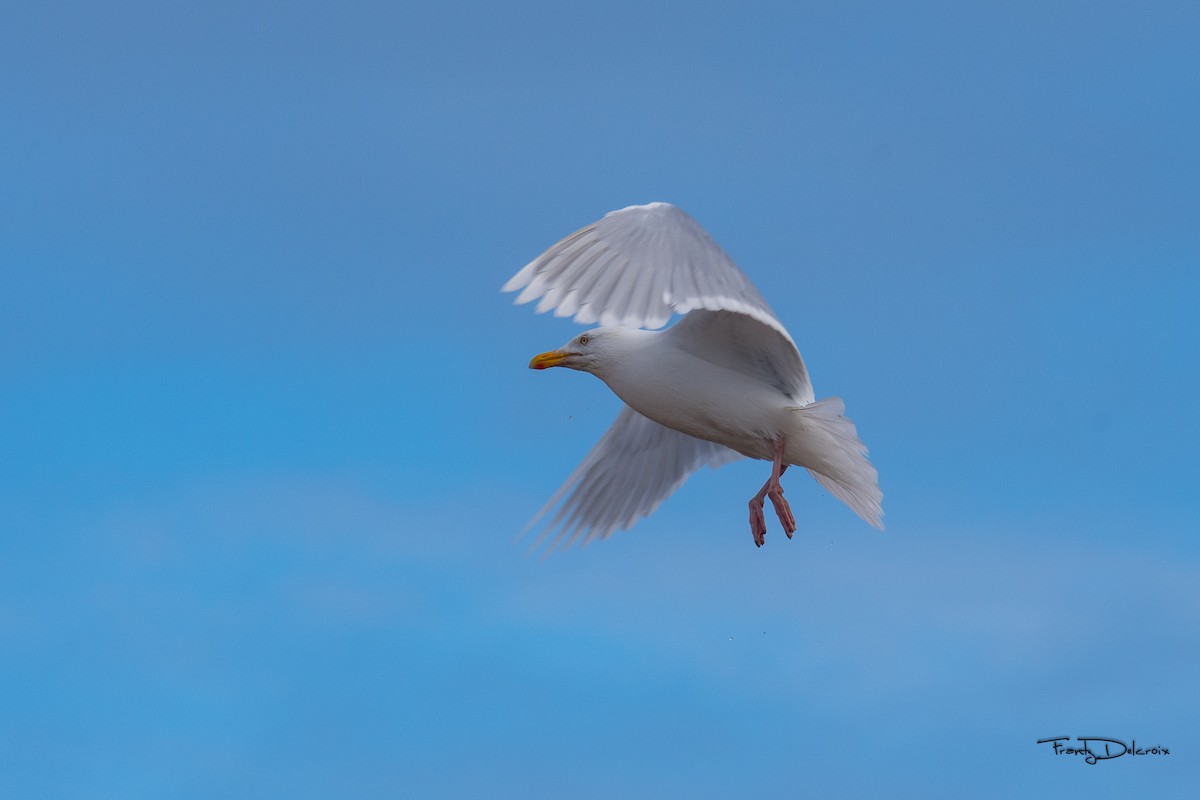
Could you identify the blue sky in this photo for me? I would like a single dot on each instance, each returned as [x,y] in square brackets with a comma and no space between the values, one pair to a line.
[268,432]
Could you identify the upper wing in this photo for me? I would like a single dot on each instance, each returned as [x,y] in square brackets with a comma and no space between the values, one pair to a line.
[634,467]
[637,266]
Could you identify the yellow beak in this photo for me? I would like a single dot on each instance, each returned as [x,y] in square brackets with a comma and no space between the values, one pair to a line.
[551,359]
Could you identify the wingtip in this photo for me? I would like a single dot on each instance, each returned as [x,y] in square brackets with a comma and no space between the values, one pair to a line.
[516,281]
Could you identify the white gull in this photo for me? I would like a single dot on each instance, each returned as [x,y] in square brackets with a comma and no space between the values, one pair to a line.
[725,381]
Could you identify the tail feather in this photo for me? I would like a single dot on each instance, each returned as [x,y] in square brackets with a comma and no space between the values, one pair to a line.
[826,443]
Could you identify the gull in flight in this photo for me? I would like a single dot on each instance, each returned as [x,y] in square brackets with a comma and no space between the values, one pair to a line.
[726,381]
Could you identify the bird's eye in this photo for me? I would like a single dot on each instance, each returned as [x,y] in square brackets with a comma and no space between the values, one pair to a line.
[583,339]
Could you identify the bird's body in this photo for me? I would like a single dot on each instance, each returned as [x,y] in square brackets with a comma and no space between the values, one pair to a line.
[678,387]
[725,381]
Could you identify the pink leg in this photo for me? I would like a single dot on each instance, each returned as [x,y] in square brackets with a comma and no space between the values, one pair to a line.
[774,490]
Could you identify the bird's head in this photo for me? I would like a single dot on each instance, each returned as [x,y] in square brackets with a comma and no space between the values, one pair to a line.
[590,351]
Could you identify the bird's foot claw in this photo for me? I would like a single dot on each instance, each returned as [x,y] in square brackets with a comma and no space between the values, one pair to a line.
[783,510]
[758,524]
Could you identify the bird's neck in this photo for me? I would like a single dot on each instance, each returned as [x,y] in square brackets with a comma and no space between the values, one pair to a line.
[632,363]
